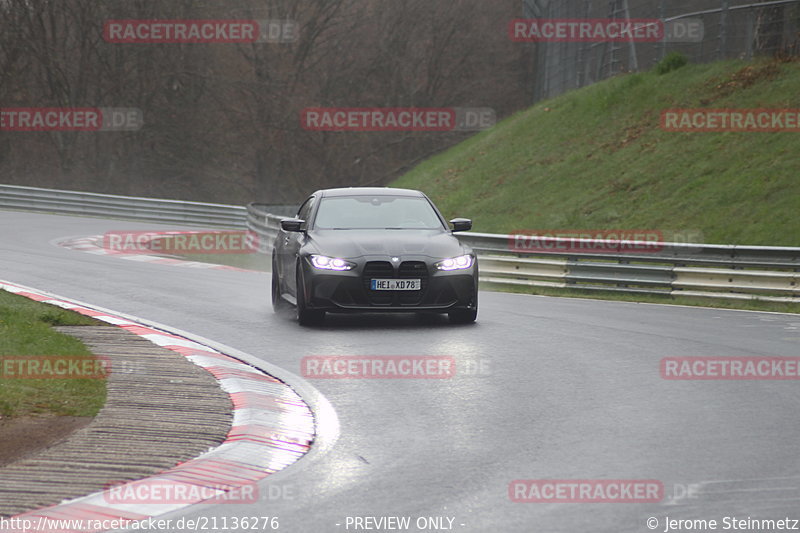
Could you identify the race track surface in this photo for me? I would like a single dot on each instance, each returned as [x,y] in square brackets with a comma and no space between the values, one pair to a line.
[565,389]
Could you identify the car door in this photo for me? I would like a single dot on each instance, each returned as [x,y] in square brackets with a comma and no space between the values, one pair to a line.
[290,243]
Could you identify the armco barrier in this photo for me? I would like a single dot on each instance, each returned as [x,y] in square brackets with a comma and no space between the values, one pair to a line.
[688,269]
[679,269]
[127,207]
[264,221]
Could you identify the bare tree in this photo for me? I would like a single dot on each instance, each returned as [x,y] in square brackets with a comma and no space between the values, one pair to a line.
[222,121]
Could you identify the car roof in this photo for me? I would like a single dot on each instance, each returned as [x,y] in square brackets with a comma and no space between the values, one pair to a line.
[368,191]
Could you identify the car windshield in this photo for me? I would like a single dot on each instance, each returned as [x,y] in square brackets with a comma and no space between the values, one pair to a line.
[376,212]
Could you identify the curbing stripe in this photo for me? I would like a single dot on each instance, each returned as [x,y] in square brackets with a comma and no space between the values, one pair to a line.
[273,427]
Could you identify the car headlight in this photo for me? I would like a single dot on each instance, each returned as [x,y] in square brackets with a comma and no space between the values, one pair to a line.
[324,262]
[462,262]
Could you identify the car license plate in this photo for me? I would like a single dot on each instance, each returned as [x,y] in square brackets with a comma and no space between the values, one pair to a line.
[396,284]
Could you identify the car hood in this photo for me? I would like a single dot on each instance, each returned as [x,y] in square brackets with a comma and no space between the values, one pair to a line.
[353,244]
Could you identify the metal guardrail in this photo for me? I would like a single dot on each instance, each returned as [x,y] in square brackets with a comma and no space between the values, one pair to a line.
[264,221]
[679,269]
[708,270]
[125,207]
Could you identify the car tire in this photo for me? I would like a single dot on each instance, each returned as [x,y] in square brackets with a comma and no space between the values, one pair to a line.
[305,316]
[279,305]
[463,316]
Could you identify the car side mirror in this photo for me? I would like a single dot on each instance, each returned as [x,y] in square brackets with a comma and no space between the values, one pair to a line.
[292,224]
[461,224]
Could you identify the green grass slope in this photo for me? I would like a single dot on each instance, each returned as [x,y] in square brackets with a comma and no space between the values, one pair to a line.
[25,330]
[597,158]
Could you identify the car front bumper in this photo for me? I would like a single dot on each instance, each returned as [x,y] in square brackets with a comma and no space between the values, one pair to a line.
[350,291]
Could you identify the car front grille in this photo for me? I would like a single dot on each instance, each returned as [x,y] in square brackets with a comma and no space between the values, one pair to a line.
[412,270]
[378,270]
[385,270]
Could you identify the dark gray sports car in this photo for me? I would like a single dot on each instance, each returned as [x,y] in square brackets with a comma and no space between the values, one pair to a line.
[373,249]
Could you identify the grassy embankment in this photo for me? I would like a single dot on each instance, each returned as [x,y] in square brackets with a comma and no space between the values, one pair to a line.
[597,158]
[25,330]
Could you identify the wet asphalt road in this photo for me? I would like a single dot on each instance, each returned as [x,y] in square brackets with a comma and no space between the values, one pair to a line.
[564,389]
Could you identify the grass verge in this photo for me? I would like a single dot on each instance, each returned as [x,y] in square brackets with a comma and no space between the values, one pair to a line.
[597,158]
[25,330]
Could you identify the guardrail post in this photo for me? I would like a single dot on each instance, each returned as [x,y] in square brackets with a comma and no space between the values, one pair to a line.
[751,35]
[723,30]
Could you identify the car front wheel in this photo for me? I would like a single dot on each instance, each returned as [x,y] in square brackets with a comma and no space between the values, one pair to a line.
[279,305]
[463,316]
